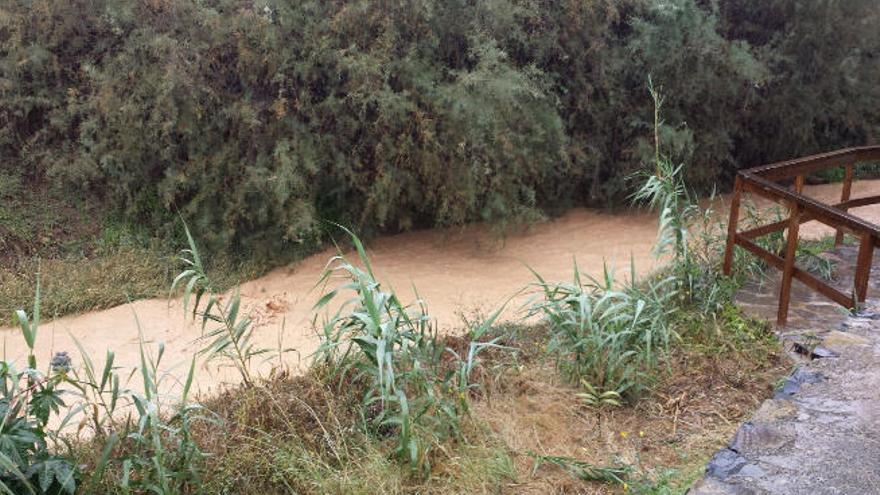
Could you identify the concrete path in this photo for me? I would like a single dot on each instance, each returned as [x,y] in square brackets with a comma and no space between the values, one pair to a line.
[820,433]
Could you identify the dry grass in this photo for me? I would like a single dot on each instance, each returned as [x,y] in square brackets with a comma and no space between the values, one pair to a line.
[302,433]
[691,411]
[106,279]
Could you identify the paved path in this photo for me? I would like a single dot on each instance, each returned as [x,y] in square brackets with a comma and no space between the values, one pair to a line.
[820,433]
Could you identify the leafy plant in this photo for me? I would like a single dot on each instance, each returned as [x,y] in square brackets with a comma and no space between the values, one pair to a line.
[28,399]
[231,338]
[582,470]
[393,349]
[594,398]
[162,456]
[605,333]
[151,451]
[147,446]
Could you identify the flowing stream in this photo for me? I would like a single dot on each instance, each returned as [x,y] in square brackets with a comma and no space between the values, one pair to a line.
[460,273]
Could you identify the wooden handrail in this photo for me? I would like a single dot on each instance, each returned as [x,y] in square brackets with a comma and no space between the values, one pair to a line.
[763,182]
[815,163]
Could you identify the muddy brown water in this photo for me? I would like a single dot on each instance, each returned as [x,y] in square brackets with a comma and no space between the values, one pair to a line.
[460,272]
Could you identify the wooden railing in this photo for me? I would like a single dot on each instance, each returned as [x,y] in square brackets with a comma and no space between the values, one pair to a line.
[765,182]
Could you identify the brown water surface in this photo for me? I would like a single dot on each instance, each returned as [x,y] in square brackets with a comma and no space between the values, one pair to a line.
[458,272]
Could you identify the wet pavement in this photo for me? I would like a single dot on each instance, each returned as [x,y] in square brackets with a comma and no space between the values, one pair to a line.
[820,433]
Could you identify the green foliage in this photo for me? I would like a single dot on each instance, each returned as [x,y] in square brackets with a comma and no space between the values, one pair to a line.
[143,449]
[393,350]
[593,398]
[161,455]
[73,285]
[606,334]
[256,120]
[231,338]
[582,470]
[821,58]
[144,444]
[692,259]
[150,449]
[29,464]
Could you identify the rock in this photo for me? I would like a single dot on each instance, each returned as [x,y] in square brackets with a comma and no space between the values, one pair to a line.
[775,410]
[751,471]
[724,463]
[712,486]
[868,315]
[821,352]
[757,437]
[793,383]
[815,353]
[818,436]
[838,339]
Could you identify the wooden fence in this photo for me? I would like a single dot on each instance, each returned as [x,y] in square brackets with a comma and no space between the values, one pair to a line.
[769,182]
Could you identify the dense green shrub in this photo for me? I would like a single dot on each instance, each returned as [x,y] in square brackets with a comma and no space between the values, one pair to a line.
[822,57]
[256,120]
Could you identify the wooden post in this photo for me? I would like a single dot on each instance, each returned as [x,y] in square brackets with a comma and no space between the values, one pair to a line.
[863,267]
[731,225]
[788,267]
[844,196]
[799,184]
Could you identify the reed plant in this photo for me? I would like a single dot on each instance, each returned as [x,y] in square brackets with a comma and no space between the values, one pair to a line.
[608,333]
[145,445]
[414,389]
[32,458]
[229,335]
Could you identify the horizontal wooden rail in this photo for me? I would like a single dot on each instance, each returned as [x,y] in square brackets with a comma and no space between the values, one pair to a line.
[802,275]
[805,217]
[816,163]
[826,214]
[761,181]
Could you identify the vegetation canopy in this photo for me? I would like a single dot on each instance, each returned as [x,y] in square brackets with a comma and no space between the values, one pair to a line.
[256,120]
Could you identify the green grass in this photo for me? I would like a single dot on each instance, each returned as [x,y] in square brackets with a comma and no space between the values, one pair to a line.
[78,285]
[110,278]
[88,259]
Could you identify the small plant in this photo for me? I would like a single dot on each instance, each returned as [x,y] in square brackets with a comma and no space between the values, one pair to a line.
[28,398]
[582,470]
[149,449]
[809,257]
[231,338]
[162,456]
[665,190]
[606,335]
[594,398]
[393,349]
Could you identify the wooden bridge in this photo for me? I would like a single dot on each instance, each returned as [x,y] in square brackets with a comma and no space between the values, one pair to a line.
[773,182]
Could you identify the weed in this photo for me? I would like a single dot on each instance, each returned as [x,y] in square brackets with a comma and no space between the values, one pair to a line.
[393,349]
[28,398]
[72,285]
[582,470]
[231,338]
[606,336]
[593,398]
[144,448]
